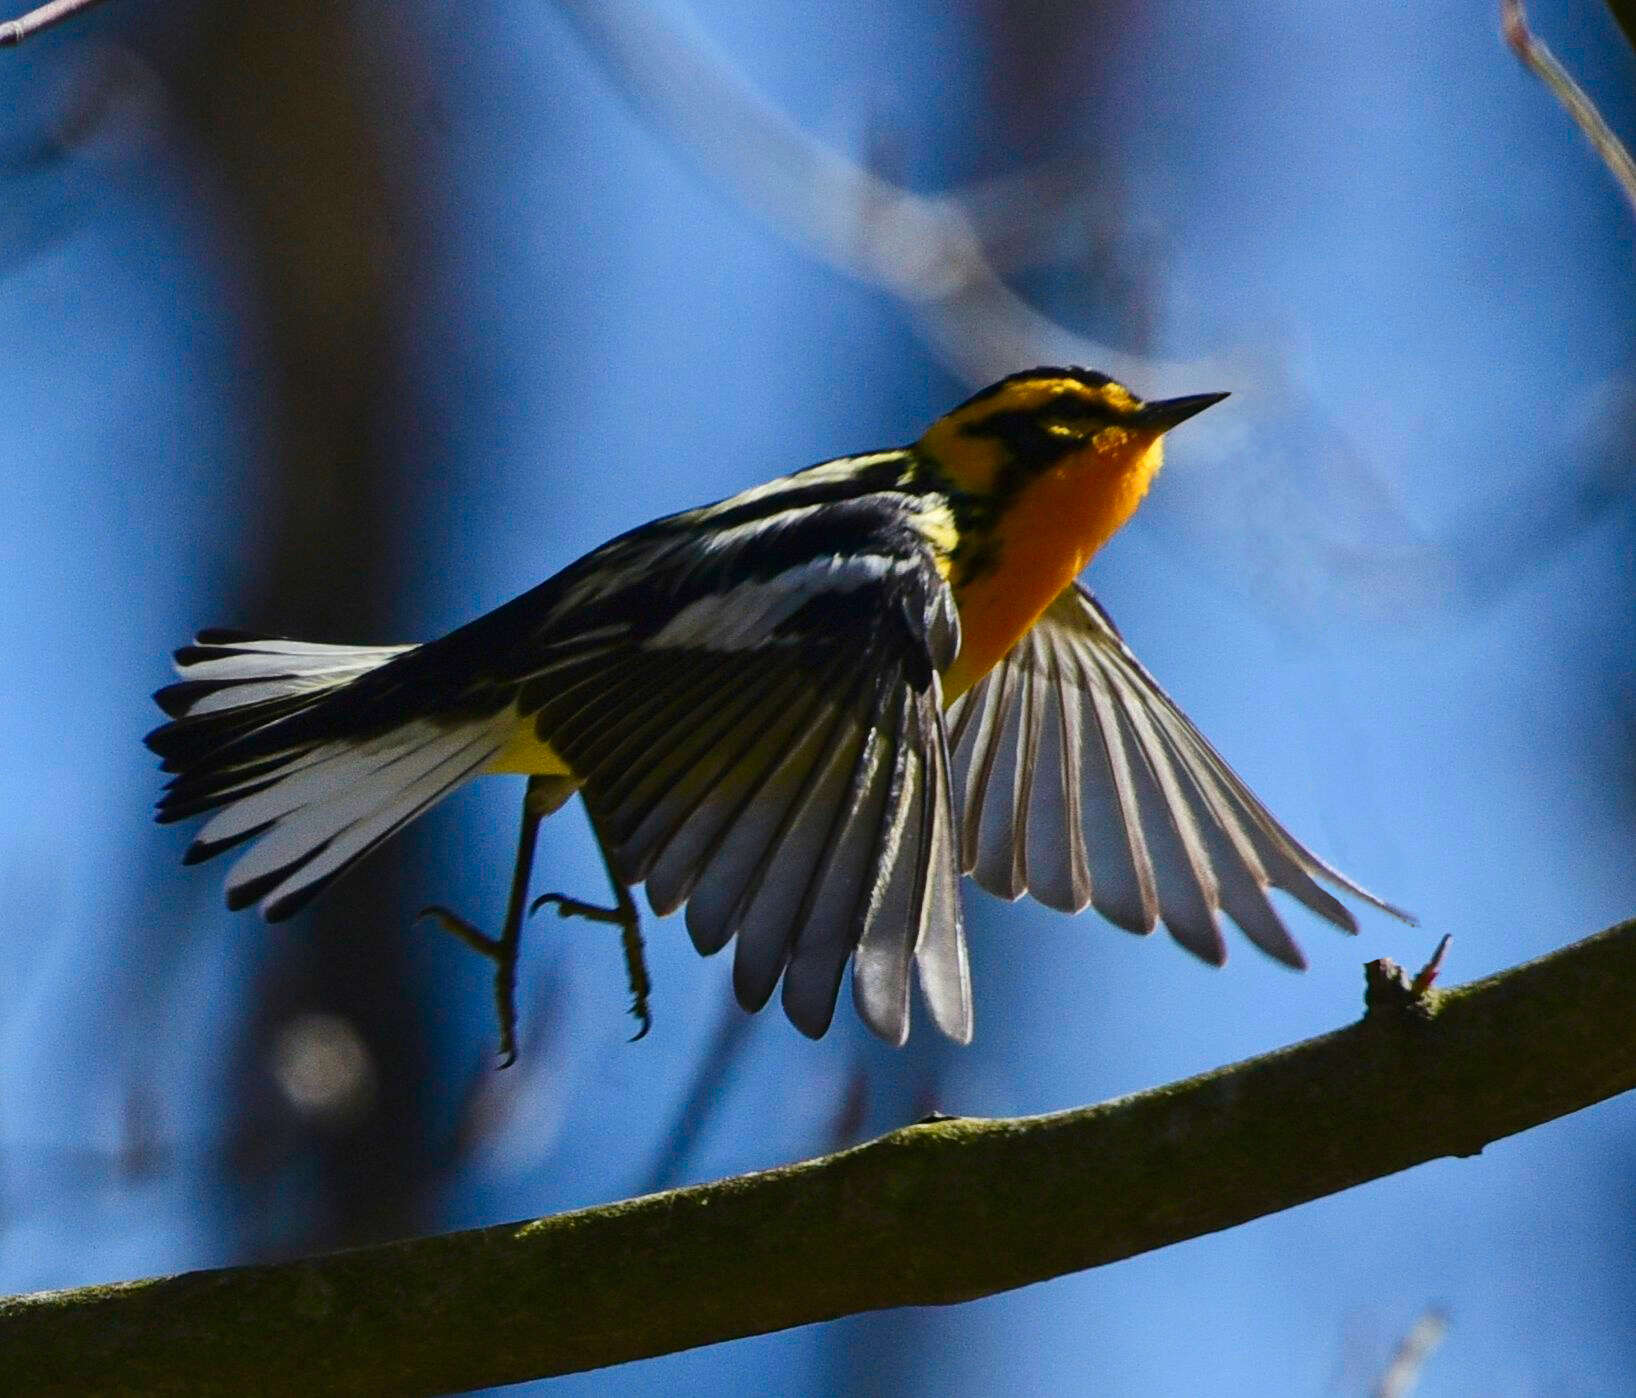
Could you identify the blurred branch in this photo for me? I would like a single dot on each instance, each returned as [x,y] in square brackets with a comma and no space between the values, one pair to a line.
[1402,1375]
[712,1075]
[277,108]
[1276,469]
[948,1210]
[938,255]
[16,30]
[1543,64]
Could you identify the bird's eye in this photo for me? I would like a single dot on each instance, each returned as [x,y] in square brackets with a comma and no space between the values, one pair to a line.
[1073,415]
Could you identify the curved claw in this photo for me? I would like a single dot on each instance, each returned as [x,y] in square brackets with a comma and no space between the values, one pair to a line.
[636,973]
[625,917]
[573,907]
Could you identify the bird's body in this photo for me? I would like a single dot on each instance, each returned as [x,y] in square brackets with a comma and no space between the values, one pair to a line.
[802,712]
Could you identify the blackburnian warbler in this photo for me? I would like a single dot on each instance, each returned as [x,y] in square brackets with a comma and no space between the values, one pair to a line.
[802,713]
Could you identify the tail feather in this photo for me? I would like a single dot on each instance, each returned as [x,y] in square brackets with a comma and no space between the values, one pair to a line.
[314,788]
[226,673]
[300,854]
[337,766]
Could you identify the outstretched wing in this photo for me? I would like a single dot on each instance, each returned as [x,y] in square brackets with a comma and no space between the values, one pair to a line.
[1080,781]
[754,709]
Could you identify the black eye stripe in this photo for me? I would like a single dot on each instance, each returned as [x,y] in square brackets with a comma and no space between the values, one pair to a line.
[1030,444]
[1076,407]
[1028,429]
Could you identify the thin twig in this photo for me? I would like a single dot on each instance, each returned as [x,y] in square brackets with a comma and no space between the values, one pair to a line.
[1543,64]
[14,31]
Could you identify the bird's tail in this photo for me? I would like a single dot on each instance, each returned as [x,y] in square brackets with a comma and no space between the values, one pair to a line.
[262,733]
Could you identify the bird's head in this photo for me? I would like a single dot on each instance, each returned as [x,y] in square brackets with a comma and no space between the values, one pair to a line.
[1046,418]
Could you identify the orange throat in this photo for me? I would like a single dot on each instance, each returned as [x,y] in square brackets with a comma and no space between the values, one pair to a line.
[1039,546]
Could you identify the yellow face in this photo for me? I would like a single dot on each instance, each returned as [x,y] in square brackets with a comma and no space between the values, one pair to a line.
[1039,471]
[1031,422]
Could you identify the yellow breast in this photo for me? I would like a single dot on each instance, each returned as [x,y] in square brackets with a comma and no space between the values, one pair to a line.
[1041,543]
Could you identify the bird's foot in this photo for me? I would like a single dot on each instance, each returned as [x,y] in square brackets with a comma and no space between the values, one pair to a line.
[628,920]
[502,951]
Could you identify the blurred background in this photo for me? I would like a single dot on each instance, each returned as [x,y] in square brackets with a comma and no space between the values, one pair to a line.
[351,321]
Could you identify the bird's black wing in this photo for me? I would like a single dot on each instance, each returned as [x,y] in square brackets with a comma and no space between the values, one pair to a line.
[750,697]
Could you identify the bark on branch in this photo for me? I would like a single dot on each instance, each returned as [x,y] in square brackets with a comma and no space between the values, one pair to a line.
[939,1212]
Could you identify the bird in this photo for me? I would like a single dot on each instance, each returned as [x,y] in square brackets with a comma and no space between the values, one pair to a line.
[801,713]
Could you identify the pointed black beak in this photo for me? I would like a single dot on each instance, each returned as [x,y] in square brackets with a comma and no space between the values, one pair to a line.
[1167,412]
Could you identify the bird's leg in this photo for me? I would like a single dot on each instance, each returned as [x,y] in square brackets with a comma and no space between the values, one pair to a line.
[544,795]
[624,916]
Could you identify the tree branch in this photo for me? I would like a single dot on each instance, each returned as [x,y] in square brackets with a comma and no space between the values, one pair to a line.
[14,31]
[944,1211]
